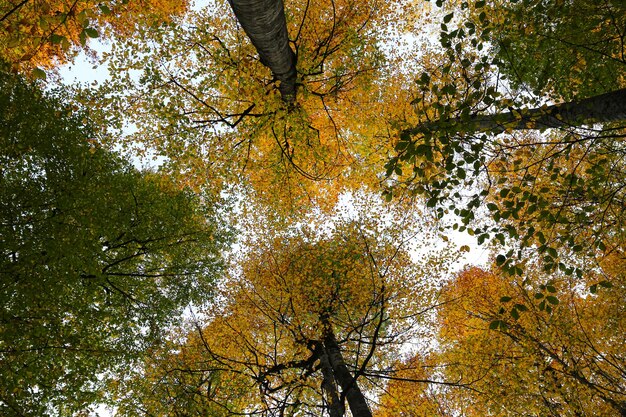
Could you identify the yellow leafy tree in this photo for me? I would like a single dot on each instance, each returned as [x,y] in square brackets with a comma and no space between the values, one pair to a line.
[206,102]
[37,34]
[510,348]
[307,322]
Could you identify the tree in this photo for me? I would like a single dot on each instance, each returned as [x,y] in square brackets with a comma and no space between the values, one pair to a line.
[605,108]
[549,357]
[265,24]
[308,322]
[557,189]
[211,105]
[582,55]
[97,259]
[36,35]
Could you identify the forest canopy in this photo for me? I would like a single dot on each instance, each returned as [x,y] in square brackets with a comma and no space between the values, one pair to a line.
[318,181]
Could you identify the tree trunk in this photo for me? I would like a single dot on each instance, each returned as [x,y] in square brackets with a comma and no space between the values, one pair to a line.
[264,23]
[329,387]
[350,389]
[603,108]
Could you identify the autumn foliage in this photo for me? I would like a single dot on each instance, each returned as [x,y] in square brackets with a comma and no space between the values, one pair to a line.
[502,120]
[304,320]
[37,34]
[510,347]
[211,107]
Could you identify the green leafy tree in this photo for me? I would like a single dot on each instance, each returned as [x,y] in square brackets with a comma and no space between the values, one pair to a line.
[96,258]
[566,49]
[551,176]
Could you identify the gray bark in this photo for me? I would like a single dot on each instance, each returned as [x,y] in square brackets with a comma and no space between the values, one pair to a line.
[350,388]
[603,108]
[264,23]
[329,387]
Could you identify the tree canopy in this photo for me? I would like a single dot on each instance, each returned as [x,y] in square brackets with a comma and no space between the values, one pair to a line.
[538,169]
[308,323]
[501,121]
[206,102]
[96,257]
[39,35]
[558,353]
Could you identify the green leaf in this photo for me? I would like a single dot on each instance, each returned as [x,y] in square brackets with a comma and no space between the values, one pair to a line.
[541,237]
[500,259]
[402,145]
[91,32]
[38,73]
[594,288]
[515,314]
[448,17]
[422,150]
[104,9]
[44,23]
[539,296]
[505,299]
[56,39]
[496,324]
[82,18]
[552,299]
[82,37]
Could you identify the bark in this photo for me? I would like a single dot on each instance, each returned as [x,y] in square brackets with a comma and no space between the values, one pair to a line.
[604,108]
[329,387]
[264,23]
[350,389]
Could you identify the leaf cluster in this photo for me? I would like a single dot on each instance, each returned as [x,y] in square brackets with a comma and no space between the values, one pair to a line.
[97,259]
[39,35]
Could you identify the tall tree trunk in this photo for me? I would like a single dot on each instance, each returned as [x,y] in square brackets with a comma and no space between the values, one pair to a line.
[603,108]
[329,387]
[264,23]
[356,399]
